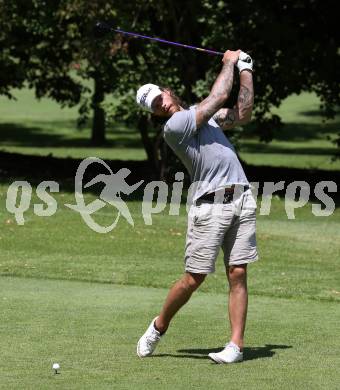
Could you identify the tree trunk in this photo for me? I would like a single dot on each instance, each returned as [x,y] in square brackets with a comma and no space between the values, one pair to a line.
[142,125]
[98,123]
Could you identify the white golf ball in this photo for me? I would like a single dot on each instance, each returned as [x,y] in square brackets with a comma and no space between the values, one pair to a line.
[55,366]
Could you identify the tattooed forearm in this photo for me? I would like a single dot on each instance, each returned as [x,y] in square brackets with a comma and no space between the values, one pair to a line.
[245,99]
[219,93]
[224,82]
[245,103]
[227,118]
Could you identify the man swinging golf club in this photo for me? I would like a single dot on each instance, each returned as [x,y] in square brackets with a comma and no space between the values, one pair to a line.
[223,213]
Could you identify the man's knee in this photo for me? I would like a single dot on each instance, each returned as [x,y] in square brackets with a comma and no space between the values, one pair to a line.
[237,275]
[192,281]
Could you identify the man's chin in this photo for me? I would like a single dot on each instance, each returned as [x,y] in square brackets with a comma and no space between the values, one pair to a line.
[174,109]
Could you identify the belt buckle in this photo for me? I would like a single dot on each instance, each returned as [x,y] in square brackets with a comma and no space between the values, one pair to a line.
[228,197]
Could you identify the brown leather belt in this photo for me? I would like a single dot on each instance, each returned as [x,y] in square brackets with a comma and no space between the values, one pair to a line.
[223,196]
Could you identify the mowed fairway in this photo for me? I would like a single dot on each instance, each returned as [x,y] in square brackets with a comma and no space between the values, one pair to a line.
[32,127]
[82,299]
[91,329]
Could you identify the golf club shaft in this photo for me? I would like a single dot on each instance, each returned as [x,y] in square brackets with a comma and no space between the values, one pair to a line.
[168,42]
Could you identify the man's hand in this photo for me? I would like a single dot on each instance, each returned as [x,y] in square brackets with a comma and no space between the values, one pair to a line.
[231,56]
[244,62]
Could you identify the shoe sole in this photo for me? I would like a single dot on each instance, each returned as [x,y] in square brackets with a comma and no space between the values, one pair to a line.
[217,360]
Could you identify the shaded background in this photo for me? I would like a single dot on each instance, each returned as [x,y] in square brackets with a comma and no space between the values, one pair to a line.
[49,47]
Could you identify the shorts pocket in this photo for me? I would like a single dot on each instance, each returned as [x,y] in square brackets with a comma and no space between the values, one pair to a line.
[202,214]
[249,203]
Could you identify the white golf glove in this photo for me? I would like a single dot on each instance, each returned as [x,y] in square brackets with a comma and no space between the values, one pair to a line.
[244,62]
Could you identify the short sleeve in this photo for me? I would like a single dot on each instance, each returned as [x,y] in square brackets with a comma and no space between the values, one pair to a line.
[181,126]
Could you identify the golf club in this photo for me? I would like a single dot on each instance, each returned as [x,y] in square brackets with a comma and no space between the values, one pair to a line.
[102,28]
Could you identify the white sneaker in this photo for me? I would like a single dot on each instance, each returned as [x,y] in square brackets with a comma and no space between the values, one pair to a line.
[148,342]
[230,354]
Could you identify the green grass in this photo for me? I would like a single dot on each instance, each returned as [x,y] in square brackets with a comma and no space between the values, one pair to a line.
[41,127]
[91,330]
[305,140]
[29,126]
[82,299]
[123,255]
[73,296]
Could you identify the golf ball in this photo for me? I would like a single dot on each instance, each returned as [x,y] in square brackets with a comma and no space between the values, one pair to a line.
[55,366]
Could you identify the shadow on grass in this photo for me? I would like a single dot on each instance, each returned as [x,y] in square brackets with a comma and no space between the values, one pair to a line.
[250,353]
[315,113]
[302,132]
[14,166]
[275,149]
[298,132]
[36,136]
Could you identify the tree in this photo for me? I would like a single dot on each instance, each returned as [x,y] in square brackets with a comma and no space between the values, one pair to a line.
[11,73]
[44,38]
[291,55]
[294,45]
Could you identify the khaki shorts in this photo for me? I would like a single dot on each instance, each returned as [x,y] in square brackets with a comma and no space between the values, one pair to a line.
[212,226]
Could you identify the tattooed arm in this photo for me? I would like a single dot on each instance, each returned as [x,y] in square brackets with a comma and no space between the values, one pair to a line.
[228,118]
[220,90]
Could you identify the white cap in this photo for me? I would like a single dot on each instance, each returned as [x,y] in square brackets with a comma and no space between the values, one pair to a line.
[146,94]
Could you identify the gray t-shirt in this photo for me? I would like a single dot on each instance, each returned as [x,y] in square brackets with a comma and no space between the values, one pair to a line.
[206,153]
